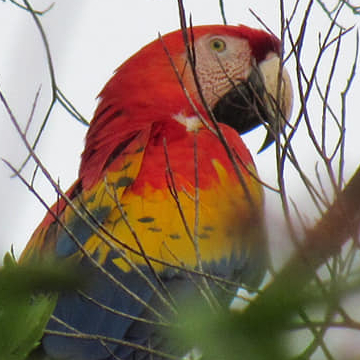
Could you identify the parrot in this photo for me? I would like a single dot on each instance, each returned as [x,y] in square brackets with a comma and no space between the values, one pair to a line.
[167,204]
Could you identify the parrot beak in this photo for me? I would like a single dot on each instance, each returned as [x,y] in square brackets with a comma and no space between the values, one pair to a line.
[277,102]
[254,102]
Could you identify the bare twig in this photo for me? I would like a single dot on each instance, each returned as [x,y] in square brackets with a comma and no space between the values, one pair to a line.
[56,95]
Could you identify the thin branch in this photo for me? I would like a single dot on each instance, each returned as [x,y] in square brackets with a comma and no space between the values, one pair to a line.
[344,94]
[222,11]
[54,87]
[191,58]
[104,340]
[37,12]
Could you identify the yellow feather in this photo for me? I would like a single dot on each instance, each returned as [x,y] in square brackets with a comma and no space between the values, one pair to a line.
[161,232]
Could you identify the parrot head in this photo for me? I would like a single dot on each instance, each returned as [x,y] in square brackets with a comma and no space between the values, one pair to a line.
[236,68]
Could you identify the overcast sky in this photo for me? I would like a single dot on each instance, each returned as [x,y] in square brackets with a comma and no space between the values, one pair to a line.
[89,39]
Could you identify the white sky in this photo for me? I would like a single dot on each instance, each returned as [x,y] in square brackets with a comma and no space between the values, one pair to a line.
[89,39]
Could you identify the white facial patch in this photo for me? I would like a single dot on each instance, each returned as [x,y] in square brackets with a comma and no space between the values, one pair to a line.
[217,72]
[192,123]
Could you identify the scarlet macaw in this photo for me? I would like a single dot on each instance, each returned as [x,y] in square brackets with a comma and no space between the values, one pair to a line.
[160,198]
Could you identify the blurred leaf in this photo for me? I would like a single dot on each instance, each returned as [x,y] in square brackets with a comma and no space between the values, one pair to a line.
[28,296]
[256,333]
[230,335]
[49,276]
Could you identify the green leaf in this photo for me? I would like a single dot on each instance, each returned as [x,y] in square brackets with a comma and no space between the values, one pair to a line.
[23,319]
[28,295]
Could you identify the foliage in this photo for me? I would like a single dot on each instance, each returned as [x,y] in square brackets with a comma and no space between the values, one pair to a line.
[27,299]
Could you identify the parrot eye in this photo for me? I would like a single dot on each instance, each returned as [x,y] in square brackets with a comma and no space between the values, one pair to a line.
[218,45]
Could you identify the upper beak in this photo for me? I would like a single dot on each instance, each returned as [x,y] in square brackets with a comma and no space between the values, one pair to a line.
[278,98]
[259,100]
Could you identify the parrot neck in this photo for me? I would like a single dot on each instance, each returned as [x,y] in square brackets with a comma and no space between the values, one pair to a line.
[117,123]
